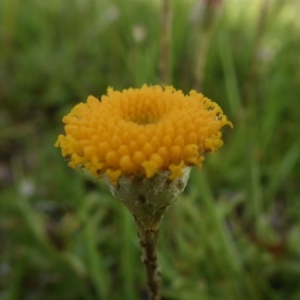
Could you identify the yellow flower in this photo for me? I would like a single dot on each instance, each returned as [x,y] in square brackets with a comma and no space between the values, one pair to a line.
[142,131]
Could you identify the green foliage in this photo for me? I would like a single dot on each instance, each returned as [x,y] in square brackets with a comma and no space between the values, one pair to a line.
[234,233]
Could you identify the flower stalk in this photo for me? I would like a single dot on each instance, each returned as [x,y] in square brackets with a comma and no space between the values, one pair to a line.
[148,200]
[148,238]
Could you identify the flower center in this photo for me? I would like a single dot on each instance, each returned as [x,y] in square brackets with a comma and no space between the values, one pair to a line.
[145,115]
[144,120]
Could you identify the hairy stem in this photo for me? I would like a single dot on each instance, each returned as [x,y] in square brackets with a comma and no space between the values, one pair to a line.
[148,240]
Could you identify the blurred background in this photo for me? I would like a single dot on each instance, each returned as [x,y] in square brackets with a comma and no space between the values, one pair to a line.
[235,231]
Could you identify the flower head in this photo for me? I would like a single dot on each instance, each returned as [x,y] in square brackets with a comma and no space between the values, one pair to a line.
[141,132]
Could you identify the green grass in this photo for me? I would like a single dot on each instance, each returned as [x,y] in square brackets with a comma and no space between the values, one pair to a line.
[235,231]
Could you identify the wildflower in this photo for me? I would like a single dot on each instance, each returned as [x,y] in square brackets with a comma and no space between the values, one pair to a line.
[142,131]
[144,143]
